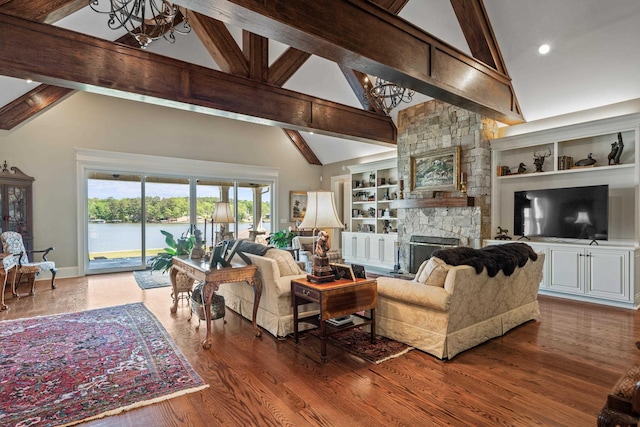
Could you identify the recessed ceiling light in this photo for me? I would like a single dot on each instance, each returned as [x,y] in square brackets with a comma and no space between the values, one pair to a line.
[544,49]
[29,81]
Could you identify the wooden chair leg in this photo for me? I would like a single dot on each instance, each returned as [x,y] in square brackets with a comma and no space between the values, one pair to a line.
[32,282]
[53,277]
[17,277]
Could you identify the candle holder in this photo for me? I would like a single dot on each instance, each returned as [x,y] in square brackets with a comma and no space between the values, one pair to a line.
[463,184]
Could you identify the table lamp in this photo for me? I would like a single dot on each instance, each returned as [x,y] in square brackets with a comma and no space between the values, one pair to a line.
[221,215]
[320,213]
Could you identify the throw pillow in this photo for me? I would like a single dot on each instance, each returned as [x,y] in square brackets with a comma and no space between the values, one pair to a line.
[286,264]
[434,273]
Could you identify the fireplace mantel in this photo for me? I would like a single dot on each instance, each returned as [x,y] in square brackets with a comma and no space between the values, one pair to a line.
[434,202]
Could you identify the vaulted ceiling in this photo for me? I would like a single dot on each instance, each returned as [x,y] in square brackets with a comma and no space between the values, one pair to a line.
[301,65]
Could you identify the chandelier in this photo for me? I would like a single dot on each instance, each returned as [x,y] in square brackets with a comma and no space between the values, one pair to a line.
[146,20]
[386,95]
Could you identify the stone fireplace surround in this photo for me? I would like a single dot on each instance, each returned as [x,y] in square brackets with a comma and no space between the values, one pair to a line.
[435,125]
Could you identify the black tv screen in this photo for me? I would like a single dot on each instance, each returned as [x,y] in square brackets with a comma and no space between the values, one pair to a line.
[576,212]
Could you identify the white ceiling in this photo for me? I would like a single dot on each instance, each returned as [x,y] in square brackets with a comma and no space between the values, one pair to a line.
[594,59]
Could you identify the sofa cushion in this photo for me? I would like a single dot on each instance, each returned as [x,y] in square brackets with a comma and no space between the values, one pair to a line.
[434,272]
[286,264]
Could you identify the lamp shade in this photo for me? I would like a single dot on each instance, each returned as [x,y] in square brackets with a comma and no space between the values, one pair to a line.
[222,213]
[321,211]
[583,218]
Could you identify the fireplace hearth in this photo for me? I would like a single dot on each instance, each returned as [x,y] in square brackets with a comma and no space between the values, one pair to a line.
[421,248]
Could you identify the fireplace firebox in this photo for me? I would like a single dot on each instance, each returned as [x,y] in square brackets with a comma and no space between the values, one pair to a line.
[421,248]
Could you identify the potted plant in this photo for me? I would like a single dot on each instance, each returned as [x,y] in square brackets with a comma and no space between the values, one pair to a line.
[179,247]
[282,238]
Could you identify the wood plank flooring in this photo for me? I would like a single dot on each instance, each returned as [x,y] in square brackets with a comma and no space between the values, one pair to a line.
[554,372]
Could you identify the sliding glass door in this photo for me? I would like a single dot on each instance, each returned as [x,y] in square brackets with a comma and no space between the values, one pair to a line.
[114,230]
[127,212]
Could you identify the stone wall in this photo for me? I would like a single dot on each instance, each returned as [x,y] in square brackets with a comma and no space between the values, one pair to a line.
[432,126]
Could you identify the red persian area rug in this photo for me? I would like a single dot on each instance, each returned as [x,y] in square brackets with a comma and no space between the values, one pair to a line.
[358,343]
[68,368]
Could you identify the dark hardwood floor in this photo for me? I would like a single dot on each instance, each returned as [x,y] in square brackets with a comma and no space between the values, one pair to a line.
[554,372]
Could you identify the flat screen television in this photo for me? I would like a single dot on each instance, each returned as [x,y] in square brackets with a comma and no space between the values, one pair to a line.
[575,212]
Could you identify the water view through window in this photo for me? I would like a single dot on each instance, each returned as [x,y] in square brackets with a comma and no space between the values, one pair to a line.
[116,214]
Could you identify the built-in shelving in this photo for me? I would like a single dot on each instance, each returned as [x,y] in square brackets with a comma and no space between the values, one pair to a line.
[610,272]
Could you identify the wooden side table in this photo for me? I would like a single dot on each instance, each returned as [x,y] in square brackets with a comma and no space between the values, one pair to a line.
[336,299]
[199,270]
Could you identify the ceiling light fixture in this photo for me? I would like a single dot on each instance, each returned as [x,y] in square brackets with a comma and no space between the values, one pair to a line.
[386,95]
[544,49]
[146,20]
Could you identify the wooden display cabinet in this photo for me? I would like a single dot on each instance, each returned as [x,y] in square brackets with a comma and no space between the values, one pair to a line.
[16,203]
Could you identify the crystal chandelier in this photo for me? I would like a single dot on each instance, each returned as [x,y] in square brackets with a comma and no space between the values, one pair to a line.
[145,20]
[386,95]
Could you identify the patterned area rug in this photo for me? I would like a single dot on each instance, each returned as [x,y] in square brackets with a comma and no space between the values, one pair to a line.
[69,368]
[358,343]
[148,280]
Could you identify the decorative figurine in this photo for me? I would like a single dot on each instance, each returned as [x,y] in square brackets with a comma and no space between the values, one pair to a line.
[538,159]
[522,168]
[503,234]
[612,155]
[587,162]
[198,250]
[616,159]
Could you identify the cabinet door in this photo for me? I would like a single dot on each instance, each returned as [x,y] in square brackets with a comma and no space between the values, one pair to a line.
[376,248]
[362,247]
[608,273]
[389,250]
[566,266]
[348,245]
[545,269]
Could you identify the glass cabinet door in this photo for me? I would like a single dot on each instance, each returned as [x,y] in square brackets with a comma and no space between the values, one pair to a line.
[17,209]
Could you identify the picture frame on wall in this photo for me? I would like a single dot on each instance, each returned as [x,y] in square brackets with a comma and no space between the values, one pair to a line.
[297,205]
[436,170]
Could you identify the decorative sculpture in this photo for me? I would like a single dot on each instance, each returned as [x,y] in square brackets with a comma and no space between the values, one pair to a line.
[522,168]
[538,159]
[587,162]
[503,234]
[616,159]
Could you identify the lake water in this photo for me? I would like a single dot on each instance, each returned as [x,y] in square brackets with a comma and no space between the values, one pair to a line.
[125,236]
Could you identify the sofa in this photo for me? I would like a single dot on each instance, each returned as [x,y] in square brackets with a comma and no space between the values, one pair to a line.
[276,269]
[447,308]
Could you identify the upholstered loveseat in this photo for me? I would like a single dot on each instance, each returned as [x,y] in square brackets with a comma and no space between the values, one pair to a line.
[276,269]
[447,309]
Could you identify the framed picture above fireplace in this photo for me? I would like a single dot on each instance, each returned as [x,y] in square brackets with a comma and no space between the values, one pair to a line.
[436,170]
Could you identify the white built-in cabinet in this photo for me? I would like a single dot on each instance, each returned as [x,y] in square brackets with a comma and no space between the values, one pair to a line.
[373,224]
[608,273]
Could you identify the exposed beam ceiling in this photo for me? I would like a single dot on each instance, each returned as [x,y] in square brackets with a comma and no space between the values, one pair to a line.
[396,50]
[44,11]
[65,58]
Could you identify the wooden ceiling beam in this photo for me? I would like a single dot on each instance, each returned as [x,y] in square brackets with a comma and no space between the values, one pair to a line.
[44,11]
[30,104]
[256,51]
[286,65]
[65,58]
[477,30]
[217,39]
[373,41]
[296,138]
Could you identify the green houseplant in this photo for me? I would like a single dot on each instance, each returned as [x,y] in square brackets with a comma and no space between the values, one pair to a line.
[181,246]
[282,238]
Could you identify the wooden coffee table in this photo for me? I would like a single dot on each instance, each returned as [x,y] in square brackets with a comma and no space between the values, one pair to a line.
[336,299]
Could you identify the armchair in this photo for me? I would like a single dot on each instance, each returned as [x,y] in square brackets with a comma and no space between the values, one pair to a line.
[12,244]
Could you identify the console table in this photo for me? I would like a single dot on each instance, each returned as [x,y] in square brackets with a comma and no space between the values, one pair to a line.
[213,278]
[336,299]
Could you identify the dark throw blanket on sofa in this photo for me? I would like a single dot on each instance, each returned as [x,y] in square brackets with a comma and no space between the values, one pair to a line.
[494,258]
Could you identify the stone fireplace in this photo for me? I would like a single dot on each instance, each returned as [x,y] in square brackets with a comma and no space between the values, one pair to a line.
[432,126]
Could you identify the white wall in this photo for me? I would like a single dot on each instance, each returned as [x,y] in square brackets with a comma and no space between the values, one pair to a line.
[45,147]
